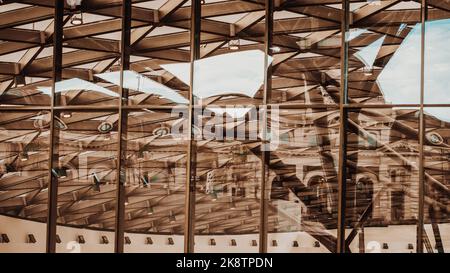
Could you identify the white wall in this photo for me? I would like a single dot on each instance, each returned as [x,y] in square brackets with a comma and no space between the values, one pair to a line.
[397,238]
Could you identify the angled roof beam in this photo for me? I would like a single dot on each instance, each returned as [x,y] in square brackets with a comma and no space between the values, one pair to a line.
[322,12]
[369,10]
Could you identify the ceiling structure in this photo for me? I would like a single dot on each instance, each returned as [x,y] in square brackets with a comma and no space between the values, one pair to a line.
[306,83]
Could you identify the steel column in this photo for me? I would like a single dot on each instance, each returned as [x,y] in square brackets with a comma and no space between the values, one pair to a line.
[52,212]
[420,221]
[265,153]
[122,130]
[343,99]
[189,223]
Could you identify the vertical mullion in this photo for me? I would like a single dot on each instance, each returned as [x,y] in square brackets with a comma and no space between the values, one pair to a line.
[122,129]
[342,173]
[265,152]
[53,153]
[361,243]
[420,221]
[189,222]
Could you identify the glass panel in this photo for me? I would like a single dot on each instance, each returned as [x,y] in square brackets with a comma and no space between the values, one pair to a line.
[156,47]
[303,175]
[91,47]
[23,52]
[384,52]
[24,145]
[436,83]
[86,147]
[437,180]
[156,177]
[306,51]
[228,84]
[86,173]
[437,57]
[228,194]
[156,145]
[306,71]
[382,180]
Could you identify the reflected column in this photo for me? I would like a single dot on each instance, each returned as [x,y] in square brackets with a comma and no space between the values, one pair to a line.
[53,152]
[265,151]
[420,221]
[343,99]
[191,149]
[122,129]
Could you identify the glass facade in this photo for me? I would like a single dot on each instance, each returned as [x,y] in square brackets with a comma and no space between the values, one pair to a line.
[252,126]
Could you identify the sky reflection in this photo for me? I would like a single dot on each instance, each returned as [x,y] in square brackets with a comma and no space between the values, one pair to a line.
[400,79]
[228,74]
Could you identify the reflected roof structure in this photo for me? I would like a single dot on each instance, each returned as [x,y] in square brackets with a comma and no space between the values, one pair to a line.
[135,81]
[76,84]
[306,70]
[233,73]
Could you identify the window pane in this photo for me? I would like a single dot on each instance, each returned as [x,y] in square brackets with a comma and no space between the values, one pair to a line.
[156,177]
[228,82]
[23,52]
[86,174]
[384,52]
[303,170]
[91,47]
[382,180]
[437,57]
[303,175]
[24,145]
[436,209]
[156,142]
